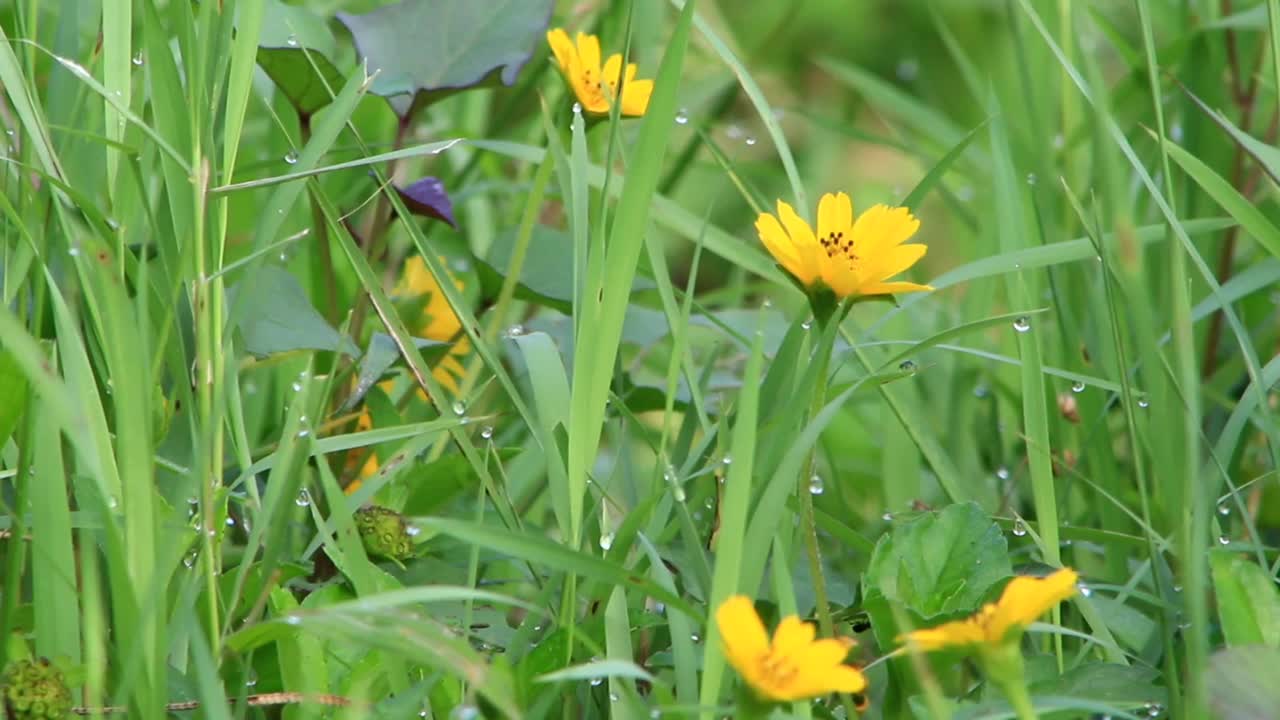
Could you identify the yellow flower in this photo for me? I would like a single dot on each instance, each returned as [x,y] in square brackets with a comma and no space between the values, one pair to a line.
[437,322]
[580,64]
[794,666]
[849,257]
[1024,599]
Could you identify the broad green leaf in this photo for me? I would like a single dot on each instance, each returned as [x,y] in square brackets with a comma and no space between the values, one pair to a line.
[1126,686]
[280,318]
[1242,683]
[939,563]
[1248,601]
[381,354]
[294,51]
[425,50]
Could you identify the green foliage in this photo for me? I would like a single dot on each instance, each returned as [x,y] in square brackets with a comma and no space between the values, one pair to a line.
[271,431]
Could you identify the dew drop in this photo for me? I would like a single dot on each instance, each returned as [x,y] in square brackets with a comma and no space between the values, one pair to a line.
[138,59]
[606,541]
[816,486]
[73,251]
[1224,540]
[695,637]
[303,499]
[459,408]
[1077,386]
[1224,510]
[1059,141]
[750,141]
[514,331]
[613,697]
[1085,590]
[981,391]
[1019,529]
[303,433]
[1177,588]
[1002,472]
[412,530]
[292,620]
[682,117]
[577,108]
[1144,403]
[654,714]
[291,157]
[596,681]
[231,522]
[887,517]
[251,680]
[297,386]
[727,460]
[1031,178]
[465,712]
[1022,324]
[486,432]
[678,493]
[189,560]
[113,502]
[908,69]
[807,324]
[908,366]
[292,41]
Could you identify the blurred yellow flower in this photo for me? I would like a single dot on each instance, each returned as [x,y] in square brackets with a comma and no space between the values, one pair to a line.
[580,64]
[849,257]
[794,666]
[1024,599]
[437,322]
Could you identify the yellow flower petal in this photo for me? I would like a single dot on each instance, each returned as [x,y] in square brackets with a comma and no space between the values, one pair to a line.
[779,245]
[609,75]
[882,227]
[635,97]
[957,633]
[835,216]
[1026,598]
[589,54]
[744,637]
[792,637]
[896,260]
[893,288]
[562,47]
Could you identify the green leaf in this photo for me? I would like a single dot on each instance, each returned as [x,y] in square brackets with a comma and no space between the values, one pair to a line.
[294,51]
[381,354]
[427,50]
[433,484]
[939,562]
[1248,601]
[1126,686]
[282,319]
[1242,683]
[13,395]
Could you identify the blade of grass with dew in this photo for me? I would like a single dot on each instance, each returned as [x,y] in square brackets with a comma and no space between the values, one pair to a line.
[606,304]
[731,539]
[767,116]
[1011,226]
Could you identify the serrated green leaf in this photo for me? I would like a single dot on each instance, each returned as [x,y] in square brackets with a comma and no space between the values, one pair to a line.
[940,563]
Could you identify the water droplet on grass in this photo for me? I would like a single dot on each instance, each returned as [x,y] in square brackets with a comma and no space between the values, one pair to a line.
[292,41]
[908,366]
[1022,324]
[682,117]
[291,157]
[459,408]
[1019,529]
[1002,472]
[606,541]
[486,432]
[139,60]
[816,486]
[303,499]
[1224,540]
[1224,510]
[1077,386]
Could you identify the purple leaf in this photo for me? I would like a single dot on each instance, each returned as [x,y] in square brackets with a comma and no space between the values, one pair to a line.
[427,197]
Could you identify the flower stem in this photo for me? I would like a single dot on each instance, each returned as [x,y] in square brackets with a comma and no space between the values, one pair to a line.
[1019,699]
[827,323]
